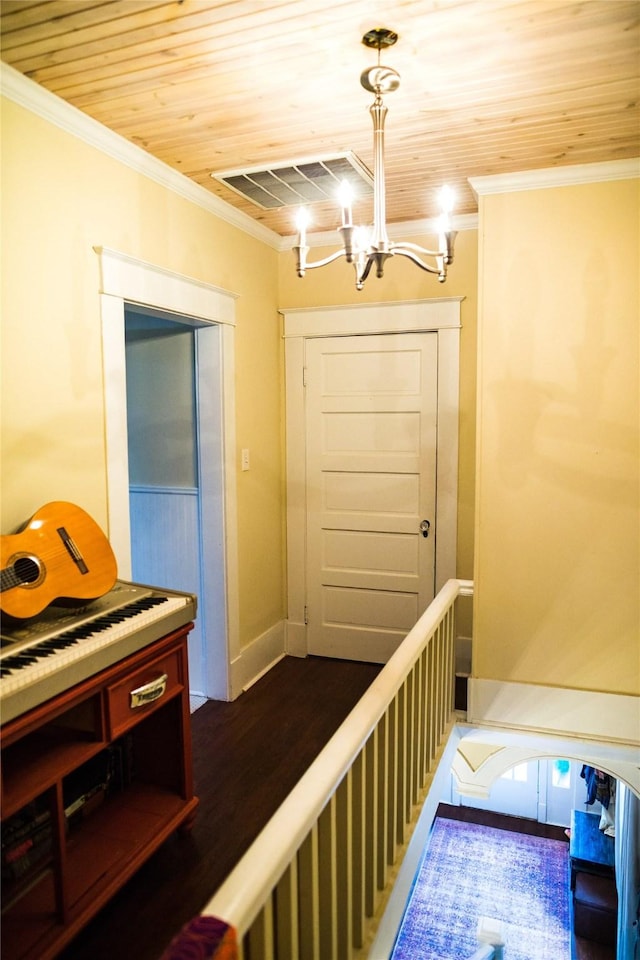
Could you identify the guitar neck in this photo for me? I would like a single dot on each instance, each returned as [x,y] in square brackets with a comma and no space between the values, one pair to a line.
[9,579]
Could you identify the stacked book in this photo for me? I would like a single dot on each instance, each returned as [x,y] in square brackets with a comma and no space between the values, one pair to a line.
[26,840]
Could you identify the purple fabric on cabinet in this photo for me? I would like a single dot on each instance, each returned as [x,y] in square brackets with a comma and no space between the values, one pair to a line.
[203,938]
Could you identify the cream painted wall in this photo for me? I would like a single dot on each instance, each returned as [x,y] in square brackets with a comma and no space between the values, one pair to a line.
[557,523]
[60,198]
[558,398]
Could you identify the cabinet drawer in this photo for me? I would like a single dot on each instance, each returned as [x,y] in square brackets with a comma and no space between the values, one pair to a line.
[142,691]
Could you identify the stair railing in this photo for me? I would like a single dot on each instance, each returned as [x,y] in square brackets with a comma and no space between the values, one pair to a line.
[310,884]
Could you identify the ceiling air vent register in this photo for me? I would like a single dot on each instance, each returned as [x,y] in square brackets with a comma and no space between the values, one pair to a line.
[306,181]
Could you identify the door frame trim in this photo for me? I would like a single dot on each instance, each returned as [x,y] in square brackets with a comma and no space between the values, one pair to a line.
[441,316]
[125,278]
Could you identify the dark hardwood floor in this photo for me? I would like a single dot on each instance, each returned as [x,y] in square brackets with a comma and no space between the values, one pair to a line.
[248,755]
[501,821]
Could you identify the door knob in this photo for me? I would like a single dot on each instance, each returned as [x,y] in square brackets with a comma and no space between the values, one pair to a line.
[424,527]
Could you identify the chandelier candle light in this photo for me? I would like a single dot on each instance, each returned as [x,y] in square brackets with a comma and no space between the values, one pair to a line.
[364,246]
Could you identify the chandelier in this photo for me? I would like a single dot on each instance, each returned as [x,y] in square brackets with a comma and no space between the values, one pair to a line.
[366,246]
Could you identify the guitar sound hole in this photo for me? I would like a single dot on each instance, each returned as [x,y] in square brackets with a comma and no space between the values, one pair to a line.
[26,569]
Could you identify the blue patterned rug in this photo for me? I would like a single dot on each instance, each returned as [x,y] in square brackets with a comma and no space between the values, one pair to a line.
[470,871]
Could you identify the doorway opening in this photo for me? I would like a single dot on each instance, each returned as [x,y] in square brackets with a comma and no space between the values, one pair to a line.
[543,789]
[386,494]
[174,450]
[209,313]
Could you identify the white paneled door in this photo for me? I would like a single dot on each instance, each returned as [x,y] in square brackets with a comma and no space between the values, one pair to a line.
[371,432]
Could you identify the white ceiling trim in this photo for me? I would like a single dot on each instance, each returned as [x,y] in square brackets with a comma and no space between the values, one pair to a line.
[15,86]
[556,177]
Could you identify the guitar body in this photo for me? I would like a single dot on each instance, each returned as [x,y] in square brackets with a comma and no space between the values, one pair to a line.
[60,553]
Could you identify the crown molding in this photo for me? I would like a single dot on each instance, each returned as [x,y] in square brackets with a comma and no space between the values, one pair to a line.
[25,92]
[556,177]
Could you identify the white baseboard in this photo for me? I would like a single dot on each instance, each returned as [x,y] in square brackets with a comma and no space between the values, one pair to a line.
[257,658]
[576,713]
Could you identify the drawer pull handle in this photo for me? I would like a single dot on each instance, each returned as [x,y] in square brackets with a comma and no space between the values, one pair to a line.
[149,692]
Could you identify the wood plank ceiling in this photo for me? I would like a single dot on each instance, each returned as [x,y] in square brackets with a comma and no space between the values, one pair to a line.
[487,86]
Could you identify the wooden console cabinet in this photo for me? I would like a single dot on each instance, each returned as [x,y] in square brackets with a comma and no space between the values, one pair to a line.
[93,781]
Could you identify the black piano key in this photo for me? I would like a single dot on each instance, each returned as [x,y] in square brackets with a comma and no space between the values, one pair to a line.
[52,646]
[19,660]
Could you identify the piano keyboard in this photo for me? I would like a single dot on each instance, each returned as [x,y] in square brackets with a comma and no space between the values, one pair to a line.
[44,657]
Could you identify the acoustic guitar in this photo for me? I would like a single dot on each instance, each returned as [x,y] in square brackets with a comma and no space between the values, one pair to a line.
[60,553]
